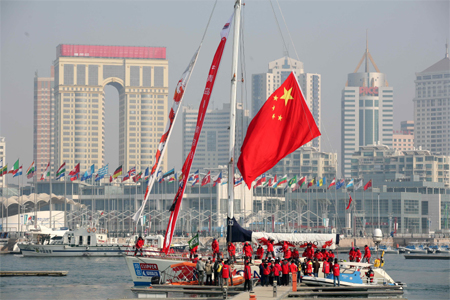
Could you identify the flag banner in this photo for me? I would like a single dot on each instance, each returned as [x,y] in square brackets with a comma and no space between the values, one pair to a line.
[299,184]
[206,179]
[46,172]
[359,184]
[61,171]
[194,242]
[172,178]
[312,182]
[137,177]
[161,150]
[333,182]
[274,182]
[349,201]
[201,116]
[320,182]
[225,181]
[350,184]
[282,125]
[18,172]
[159,176]
[168,173]
[117,172]
[292,181]
[196,177]
[238,181]
[368,184]
[340,184]
[217,179]
[4,170]
[261,180]
[110,178]
[101,173]
[15,168]
[31,170]
[75,173]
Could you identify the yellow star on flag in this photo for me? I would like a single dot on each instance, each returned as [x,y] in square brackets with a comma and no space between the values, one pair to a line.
[273,116]
[287,95]
[273,107]
[275,98]
[280,117]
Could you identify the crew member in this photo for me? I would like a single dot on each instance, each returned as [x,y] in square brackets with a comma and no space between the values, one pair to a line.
[358,255]
[309,268]
[231,251]
[288,254]
[285,272]
[226,273]
[192,252]
[259,252]
[336,272]
[326,268]
[276,268]
[316,267]
[215,249]
[270,248]
[266,272]
[247,277]
[295,254]
[139,245]
[367,254]
[352,254]
[370,275]
[248,252]
[293,269]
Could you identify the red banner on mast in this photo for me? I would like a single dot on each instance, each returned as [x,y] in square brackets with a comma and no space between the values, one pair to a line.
[198,129]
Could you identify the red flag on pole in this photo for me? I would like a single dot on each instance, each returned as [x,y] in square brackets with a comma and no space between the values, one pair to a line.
[282,125]
[368,185]
[206,179]
[349,201]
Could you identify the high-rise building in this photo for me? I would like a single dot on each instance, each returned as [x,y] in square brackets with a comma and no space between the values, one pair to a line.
[264,84]
[407,126]
[213,146]
[140,75]
[3,156]
[367,111]
[432,107]
[43,122]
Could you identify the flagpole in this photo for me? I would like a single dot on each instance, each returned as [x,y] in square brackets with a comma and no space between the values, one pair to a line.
[372,206]
[7,200]
[18,204]
[317,208]
[335,207]
[65,198]
[108,226]
[364,210]
[210,203]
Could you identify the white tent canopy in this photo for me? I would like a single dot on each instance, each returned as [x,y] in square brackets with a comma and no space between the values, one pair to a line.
[22,200]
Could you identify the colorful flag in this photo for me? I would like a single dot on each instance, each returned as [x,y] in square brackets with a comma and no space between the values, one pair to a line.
[31,170]
[110,178]
[4,170]
[172,178]
[349,201]
[159,176]
[61,171]
[292,181]
[350,184]
[168,173]
[261,180]
[117,172]
[217,179]
[101,173]
[15,168]
[368,184]
[224,181]
[320,182]
[176,104]
[206,179]
[75,173]
[283,180]
[340,184]
[196,178]
[312,182]
[333,182]
[194,242]
[46,172]
[238,181]
[88,173]
[146,174]
[274,182]
[137,177]
[299,184]
[175,208]
[282,125]
[18,172]
[359,184]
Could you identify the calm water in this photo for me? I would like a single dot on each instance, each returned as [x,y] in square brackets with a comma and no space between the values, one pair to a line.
[102,278]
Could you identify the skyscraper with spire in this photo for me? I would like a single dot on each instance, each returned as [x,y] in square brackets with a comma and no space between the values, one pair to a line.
[432,107]
[367,111]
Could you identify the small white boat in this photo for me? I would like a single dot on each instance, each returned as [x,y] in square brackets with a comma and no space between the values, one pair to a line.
[443,249]
[84,241]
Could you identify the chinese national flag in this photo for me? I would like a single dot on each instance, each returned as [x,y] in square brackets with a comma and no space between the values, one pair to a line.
[282,125]
[368,184]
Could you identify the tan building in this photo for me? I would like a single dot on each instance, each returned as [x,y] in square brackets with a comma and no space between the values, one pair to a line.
[403,140]
[43,121]
[140,75]
[381,159]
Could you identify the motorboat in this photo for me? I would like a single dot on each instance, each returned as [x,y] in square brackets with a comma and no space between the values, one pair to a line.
[82,241]
[386,249]
[353,274]
[443,249]
[413,248]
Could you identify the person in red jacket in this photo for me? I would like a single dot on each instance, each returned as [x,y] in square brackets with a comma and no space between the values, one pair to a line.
[318,255]
[293,269]
[226,273]
[309,267]
[352,254]
[285,246]
[326,268]
[295,254]
[288,254]
[139,245]
[270,249]
[324,254]
[266,273]
[309,251]
[248,252]
[336,272]
[358,255]
[247,277]
[276,269]
[331,254]
[192,252]
[231,251]
[215,249]
[367,254]
[285,272]
[259,252]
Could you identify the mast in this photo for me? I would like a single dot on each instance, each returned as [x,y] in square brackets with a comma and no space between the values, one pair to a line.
[235,58]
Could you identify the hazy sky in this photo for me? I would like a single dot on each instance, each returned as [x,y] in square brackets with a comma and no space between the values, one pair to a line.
[404,37]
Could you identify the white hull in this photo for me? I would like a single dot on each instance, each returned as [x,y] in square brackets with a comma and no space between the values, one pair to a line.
[71,251]
[313,281]
[142,269]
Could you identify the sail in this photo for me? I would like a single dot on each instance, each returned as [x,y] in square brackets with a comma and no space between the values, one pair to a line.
[200,118]
[177,99]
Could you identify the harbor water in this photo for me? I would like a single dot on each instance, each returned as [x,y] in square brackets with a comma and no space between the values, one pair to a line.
[102,278]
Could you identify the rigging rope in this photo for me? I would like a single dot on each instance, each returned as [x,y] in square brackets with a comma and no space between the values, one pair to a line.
[207,25]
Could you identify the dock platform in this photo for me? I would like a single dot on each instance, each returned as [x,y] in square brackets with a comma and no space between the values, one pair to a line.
[427,256]
[33,273]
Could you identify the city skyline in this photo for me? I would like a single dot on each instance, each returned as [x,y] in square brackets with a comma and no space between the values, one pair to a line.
[31,32]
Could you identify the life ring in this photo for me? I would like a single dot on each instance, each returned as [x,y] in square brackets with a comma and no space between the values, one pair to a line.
[88,230]
[93,229]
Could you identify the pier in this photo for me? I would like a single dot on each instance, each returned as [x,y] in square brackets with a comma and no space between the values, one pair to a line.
[33,273]
[427,256]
